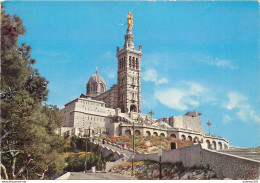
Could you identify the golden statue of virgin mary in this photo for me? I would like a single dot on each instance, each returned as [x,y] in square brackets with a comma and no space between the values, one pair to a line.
[129,21]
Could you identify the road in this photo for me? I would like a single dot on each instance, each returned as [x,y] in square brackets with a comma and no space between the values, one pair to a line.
[98,176]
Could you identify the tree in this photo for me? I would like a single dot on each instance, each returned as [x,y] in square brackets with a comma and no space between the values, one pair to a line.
[28,139]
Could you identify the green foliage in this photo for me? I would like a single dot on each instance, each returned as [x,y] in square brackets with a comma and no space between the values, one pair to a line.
[28,139]
[75,161]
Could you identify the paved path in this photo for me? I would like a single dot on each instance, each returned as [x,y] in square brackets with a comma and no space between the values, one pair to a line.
[243,152]
[98,176]
[122,151]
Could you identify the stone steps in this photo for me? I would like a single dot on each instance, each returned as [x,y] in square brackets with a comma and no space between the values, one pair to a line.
[246,153]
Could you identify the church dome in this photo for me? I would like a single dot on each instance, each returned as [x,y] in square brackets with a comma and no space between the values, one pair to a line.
[96,85]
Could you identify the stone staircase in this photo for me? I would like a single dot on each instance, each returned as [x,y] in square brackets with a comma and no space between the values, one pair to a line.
[242,152]
[110,165]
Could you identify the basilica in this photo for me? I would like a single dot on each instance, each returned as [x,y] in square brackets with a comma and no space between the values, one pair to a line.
[113,112]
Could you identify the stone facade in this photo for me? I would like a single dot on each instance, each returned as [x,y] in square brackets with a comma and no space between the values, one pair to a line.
[113,112]
[129,75]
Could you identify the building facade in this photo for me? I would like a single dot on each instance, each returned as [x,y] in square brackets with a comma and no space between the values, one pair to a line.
[113,112]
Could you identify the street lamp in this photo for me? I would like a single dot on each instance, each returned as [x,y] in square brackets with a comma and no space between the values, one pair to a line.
[133,156]
[209,124]
[160,153]
[86,149]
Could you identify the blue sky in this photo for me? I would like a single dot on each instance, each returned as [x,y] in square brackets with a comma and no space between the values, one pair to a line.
[196,56]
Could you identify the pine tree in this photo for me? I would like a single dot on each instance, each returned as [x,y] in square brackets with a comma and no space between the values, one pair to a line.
[28,140]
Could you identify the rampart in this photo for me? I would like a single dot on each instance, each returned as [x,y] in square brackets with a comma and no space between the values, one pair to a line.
[225,165]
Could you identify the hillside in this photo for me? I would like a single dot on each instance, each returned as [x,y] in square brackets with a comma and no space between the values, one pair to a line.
[148,144]
[149,170]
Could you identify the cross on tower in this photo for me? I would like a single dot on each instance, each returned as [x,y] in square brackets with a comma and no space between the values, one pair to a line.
[209,124]
[151,114]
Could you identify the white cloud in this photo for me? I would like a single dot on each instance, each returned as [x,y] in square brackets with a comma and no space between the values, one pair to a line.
[216,62]
[151,75]
[227,118]
[182,97]
[112,75]
[162,81]
[108,55]
[235,99]
[239,102]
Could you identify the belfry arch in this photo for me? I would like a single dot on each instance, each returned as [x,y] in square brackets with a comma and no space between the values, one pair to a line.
[133,108]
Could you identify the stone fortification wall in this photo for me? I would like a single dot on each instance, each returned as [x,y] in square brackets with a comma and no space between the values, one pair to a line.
[193,123]
[230,166]
[225,165]
[187,155]
[187,121]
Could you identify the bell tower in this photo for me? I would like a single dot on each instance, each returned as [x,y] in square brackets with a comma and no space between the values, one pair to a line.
[129,72]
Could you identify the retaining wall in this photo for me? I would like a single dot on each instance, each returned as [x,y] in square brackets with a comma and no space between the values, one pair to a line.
[225,165]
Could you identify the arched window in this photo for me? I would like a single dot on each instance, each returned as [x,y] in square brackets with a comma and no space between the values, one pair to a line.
[136,63]
[94,87]
[133,62]
[101,87]
[88,89]
[130,61]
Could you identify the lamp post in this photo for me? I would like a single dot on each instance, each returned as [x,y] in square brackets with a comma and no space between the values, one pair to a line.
[89,136]
[86,153]
[133,148]
[160,154]
[87,149]
[209,124]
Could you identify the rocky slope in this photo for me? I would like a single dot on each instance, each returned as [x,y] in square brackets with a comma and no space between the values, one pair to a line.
[148,144]
[149,170]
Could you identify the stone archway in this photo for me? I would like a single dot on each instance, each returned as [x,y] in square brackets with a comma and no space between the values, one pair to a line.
[133,108]
[183,137]
[128,132]
[148,133]
[162,135]
[173,135]
[155,134]
[219,145]
[190,138]
[214,145]
[208,144]
[196,139]
[137,133]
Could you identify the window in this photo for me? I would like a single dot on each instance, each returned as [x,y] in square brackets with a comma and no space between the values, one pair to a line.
[133,62]
[130,61]
[136,65]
